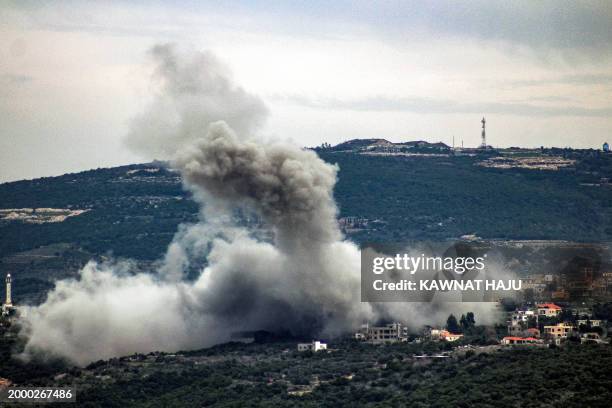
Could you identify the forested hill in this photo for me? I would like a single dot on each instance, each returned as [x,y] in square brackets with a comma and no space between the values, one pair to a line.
[134,211]
[442,197]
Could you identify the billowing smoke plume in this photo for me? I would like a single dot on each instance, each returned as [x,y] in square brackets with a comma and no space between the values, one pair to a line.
[194,90]
[306,279]
[289,187]
[301,276]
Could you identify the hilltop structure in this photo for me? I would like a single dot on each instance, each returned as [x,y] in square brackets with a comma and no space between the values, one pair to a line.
[483,144]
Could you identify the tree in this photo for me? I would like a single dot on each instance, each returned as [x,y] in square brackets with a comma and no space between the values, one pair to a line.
[532,322]
[452,325]
[470,319]
[467,322]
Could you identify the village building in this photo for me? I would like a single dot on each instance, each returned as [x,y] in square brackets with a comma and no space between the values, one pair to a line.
[518,322]
[445,335]
[448,336]
[313,346]
[523,315]
[548,310]
[519,341]
[587,322]
[522,331]
[558,331]
[390,333]
[591,338]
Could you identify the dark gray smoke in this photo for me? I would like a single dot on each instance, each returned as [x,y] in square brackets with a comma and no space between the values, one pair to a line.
[290,187]
[303,277]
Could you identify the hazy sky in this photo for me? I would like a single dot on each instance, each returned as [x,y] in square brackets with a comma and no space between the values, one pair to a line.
[73,74]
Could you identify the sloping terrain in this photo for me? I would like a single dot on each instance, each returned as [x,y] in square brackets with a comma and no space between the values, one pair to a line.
[133,211]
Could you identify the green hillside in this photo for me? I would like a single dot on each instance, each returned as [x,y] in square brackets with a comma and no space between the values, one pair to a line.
[133,211]
[423,197]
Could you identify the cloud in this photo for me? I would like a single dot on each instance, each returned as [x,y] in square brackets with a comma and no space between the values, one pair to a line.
[575,79]
[10,84]
[15,79]
[547,26]
[436,106]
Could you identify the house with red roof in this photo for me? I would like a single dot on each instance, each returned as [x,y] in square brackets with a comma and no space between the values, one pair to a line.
[548,310]
[519,341]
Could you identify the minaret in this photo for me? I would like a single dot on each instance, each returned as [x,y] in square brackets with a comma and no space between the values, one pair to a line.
[483,145]
[9,301]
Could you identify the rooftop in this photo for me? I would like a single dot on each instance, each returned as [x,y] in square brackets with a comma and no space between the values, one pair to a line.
[549,306]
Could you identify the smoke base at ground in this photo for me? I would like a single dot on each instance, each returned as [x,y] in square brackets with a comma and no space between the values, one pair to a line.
[304,277]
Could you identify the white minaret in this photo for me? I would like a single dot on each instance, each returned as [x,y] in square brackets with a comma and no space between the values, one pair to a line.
[9,301]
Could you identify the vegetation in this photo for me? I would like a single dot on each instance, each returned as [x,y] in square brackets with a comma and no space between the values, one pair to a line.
[438,198]
[134,211]
[353,374]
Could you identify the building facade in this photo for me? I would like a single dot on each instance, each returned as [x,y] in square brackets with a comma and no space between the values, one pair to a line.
[391,333]
[313,346]
[549,310]
[558,331]
[519,341]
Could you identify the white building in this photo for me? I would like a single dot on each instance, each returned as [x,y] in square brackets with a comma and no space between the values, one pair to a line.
[591,338]
[594,323]
[519,341]
[313,346]
[8,303]
[445,335]
[523,316]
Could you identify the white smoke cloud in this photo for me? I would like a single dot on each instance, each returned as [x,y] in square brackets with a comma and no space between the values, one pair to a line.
[299,275]
[195,90]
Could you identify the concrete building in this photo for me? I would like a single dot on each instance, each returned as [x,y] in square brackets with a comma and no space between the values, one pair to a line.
[523,316]
[591,338]
[521,331]
[518,322]
[519,341]
[391,333]
[313,346]
[533,332]
[586,322]
[548,310]
[444,335]
[558,331]
[515,329]
[448,336]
